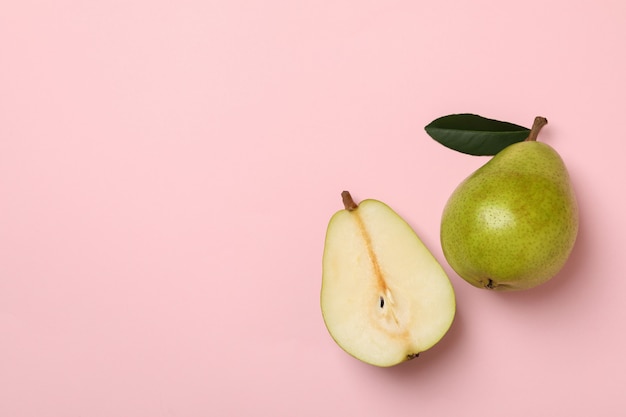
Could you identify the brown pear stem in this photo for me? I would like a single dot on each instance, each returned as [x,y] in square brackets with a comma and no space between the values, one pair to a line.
[537,125]
[348,202]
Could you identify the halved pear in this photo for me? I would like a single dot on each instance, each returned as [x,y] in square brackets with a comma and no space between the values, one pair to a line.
[384,297]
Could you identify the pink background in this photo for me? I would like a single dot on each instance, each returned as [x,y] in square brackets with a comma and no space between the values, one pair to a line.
[168,169]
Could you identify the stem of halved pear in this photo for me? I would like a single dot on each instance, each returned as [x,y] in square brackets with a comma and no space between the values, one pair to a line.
[348,202]
[537,125]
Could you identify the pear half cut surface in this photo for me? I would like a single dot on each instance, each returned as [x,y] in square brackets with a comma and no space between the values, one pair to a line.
[384,297]
[512,224]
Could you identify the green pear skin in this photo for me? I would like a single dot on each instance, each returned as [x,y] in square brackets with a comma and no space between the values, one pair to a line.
[512,224]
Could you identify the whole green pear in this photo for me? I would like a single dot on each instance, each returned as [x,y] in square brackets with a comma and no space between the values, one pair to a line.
[512,224]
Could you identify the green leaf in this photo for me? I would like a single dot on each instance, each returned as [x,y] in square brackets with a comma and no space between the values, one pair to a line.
[475,135]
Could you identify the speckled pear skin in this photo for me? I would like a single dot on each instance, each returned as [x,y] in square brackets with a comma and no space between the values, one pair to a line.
[512,224]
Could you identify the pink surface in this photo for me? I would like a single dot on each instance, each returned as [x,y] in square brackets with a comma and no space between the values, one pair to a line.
[167,171]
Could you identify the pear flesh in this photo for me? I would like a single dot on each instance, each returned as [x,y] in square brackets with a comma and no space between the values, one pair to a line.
[384,297]
[512,224]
